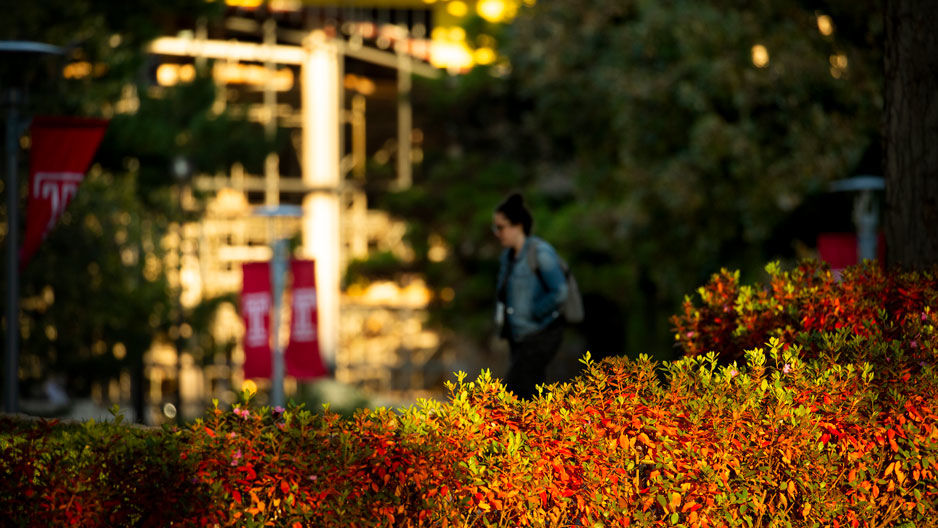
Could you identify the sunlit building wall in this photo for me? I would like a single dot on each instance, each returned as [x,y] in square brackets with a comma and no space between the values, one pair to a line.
[374,336]
[281,76]
[379,337]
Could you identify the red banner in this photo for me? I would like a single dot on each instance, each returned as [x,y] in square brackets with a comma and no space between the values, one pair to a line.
[255,309]
[839,250]
[62,148]
[302,355]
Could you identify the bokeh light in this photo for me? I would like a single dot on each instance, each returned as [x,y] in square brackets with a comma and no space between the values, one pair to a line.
[491,10]
[457,8]
[760,56]
[825,25]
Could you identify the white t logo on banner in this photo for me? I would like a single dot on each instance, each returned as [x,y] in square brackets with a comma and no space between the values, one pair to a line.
[256,306]
[57,187]
[304,302]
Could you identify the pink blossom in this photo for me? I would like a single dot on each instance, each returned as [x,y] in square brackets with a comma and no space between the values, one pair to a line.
[733,373]
[243,413]
[787,368]
[236,457]
[232,435]
[913,343]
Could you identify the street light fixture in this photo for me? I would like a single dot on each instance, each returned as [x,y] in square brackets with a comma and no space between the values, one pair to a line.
[278,279]
[181,168]
[865,211]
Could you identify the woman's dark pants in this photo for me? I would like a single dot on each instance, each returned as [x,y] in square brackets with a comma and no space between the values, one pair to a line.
[529,358]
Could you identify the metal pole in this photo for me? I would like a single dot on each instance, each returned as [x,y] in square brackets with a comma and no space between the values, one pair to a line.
[866,219]
[180,341]
[865,211]
[181,169]
[405,118]
[11,356]
[11,363]
[278,279]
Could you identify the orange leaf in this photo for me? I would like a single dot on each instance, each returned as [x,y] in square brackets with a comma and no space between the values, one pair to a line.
[891,435]
[889,469]
[675,500]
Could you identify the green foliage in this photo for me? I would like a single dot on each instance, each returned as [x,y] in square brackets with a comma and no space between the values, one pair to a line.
[110,36]
[780,438]
[180,122]
[94,474]
[381,266]
[95,296]
[95,284]
[781,442]
[651,146]
[809,307]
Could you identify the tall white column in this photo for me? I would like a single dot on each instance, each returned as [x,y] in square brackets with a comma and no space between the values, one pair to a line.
[320,77]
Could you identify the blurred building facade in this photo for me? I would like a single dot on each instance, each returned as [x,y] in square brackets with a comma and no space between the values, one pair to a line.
[337,80]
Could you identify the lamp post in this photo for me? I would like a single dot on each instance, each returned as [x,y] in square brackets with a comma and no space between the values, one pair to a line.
[278,280]
[14,127]
[865,211]
[182,170]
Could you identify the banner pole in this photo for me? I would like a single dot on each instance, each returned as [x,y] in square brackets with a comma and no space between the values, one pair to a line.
[11,359]
[279,272]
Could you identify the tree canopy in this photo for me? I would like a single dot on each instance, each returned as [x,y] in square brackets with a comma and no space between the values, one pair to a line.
[96,296]
[657,141]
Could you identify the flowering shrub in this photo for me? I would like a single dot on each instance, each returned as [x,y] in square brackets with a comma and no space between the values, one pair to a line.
[93,474]
[762,445]
[786,437]
[867,315]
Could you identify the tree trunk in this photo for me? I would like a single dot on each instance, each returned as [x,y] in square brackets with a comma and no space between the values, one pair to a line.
[911,133]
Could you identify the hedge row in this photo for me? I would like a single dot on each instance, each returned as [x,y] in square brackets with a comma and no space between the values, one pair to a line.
[885,318]
[786,436]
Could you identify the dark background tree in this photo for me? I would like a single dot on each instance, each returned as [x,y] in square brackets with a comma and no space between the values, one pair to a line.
[657,142]
[95,296]
[911,134]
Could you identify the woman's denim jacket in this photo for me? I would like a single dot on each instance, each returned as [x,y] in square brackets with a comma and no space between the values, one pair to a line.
[531,307]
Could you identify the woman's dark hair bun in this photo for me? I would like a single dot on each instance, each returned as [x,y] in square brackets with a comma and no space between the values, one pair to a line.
[516,212]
